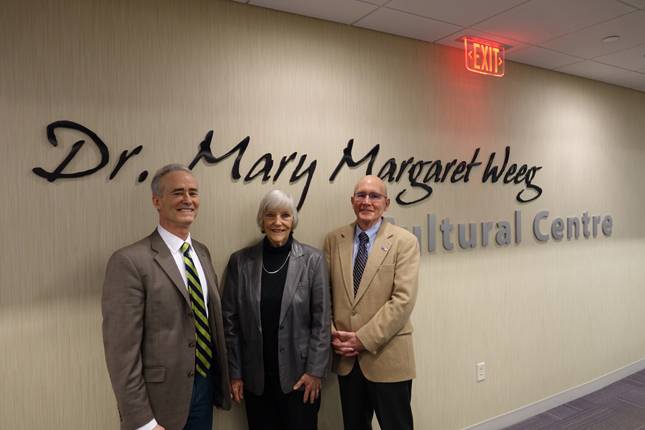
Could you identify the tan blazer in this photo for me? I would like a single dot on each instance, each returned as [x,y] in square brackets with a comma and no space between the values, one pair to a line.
[149,334]
[380,312]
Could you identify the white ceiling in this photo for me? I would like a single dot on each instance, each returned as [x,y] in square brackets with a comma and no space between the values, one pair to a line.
[562,35]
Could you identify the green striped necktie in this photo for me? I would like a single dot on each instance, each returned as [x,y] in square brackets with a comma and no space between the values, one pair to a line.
[204,347]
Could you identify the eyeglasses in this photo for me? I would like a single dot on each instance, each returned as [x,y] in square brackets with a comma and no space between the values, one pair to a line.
[361,196]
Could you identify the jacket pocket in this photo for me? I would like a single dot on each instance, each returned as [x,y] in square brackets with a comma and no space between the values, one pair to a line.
[154,374]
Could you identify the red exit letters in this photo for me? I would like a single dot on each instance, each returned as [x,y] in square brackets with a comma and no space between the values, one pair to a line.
[483,56]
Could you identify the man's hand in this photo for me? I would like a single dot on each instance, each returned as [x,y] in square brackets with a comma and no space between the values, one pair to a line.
[312,387]
[237,390]
[346,343]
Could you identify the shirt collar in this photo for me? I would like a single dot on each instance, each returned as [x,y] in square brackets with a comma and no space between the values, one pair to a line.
[371,232]
[173,242]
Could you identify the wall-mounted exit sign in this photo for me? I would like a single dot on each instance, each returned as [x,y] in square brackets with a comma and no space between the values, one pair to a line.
[484,56]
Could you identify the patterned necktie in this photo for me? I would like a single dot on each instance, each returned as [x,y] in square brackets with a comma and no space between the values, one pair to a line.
[361,260]
[203,349]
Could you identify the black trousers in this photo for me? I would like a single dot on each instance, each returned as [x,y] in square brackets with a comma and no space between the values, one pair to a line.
[360,398]
[274,410]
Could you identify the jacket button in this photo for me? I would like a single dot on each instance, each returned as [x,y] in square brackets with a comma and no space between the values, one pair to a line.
[191,344]
[282,327]
[354,313]
[191,373]
[281,349]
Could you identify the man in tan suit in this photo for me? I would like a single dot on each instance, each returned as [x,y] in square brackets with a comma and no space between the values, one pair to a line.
[162,321]
[374,269]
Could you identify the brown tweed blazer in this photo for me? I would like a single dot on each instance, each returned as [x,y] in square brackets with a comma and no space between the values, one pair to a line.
[149,334]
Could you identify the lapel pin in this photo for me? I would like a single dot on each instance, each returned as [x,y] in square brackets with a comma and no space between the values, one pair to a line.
[384,248]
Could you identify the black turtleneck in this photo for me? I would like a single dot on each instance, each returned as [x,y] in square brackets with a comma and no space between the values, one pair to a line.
[273,258]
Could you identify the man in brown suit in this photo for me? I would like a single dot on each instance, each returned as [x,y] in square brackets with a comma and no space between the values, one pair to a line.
[162,321]
[374,269]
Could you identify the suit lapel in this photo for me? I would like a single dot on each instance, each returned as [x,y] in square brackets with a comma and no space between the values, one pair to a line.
[254,273]
[379,250]
[164,258]
[345,251]
[294,270]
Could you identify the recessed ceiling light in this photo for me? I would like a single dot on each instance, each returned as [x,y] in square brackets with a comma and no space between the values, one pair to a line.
[610,39]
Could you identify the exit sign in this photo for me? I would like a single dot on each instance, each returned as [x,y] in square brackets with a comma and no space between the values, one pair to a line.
[484,56]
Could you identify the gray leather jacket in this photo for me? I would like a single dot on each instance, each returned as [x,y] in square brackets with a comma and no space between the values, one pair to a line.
[304,336]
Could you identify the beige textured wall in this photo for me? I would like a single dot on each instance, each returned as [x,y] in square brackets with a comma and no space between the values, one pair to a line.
[544,317]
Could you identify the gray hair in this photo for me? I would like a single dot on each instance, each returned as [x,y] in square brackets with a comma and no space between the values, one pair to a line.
[155,185]
[277,199]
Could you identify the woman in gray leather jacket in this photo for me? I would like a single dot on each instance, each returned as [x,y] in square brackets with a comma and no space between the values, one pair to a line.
[276,310]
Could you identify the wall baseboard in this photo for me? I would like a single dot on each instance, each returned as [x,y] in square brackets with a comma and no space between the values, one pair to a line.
[532,409]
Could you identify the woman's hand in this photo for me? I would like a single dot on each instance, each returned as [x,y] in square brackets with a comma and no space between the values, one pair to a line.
[237,390]
[312,387]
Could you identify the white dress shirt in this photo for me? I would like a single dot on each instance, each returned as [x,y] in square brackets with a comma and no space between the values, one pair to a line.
[174,244]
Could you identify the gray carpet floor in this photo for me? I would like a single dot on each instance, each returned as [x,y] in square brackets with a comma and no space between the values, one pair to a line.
[619,406]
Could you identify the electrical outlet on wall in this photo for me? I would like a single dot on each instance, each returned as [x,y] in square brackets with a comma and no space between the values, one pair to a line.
[481,371]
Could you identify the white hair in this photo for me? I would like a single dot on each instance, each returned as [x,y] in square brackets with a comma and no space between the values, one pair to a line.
[277,199]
